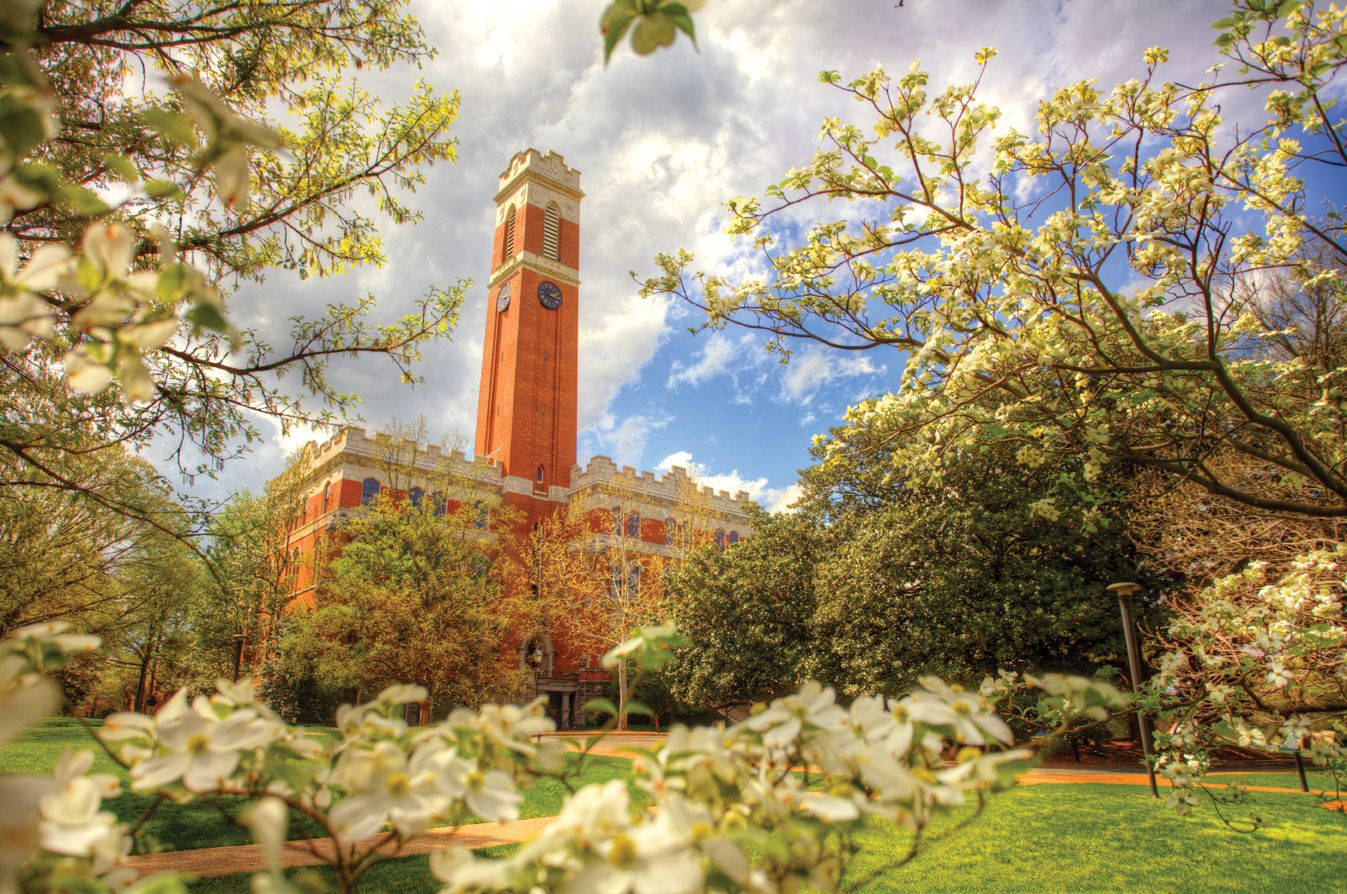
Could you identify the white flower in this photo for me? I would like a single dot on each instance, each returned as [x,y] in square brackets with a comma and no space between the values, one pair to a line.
[267,821]
[72,823]
[462,871]
[383,786]
[23,314]
[966,714]
[84,372]
[655,857]
[814,706]
[203,749]
[14,196]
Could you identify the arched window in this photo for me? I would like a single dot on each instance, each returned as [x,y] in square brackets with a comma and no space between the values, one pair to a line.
[416,495]
[734,537]
[617,520]
[439,503]
[720,539]
[479,514]
[540,474]
[369,489]
[634,525]
[509,235]
[325,493]
[670,531]
[552,232]
[633,580]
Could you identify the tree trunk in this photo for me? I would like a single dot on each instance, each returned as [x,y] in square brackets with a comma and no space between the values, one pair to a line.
[423,712]
[139,704]
[622,695]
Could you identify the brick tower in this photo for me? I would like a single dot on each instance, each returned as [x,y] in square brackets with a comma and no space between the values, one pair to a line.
[526,408]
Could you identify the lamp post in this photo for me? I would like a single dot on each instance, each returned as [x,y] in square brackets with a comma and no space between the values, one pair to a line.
[239,640]
[1125,589]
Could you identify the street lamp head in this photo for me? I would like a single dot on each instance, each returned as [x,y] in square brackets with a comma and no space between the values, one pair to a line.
[1124,588]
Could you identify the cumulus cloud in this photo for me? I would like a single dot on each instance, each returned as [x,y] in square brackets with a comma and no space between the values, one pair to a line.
[661,143]
[714,359]
[624,441]
[773,499]
[811,369]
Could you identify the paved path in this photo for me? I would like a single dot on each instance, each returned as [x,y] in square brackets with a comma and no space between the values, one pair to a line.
[213,861]
[216,861]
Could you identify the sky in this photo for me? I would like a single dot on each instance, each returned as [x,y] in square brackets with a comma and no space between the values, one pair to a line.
[661,143]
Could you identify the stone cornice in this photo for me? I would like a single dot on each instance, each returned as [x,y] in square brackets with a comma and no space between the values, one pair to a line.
[529,173]
[554,269]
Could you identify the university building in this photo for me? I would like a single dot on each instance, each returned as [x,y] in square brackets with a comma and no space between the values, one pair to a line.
[525,444]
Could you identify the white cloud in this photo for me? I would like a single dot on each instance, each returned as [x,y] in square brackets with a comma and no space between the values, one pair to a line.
[774,499]
[662,142]
[625,441]
[811,369]
[717,352]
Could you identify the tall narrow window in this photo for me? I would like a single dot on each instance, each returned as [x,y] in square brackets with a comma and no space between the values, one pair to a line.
[670,531]
[720,539]
[552,232]
[325,493]
[416,495]
[540,474]
[369,489]
[734,537]
[634,525]
[617,520]
[439,503]
[509,235]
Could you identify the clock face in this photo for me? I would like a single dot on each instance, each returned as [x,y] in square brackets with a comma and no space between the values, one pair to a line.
[549,295]
[503,298]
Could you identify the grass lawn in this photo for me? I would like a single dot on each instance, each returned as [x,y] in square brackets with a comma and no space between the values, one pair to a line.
[1038,839]
[201,824]
[1077,838]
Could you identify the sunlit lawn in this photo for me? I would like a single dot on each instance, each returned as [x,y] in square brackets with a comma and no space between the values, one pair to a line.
[1068,838]
[202,824]
[1037,839]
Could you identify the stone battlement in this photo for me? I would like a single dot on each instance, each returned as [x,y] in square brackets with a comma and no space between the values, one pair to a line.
[552,166]
[603,472]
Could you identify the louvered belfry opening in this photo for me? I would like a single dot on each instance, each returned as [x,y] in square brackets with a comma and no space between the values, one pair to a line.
[552,232]
[509,235]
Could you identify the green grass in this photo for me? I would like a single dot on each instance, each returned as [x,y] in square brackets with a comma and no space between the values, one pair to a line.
[1044,838]
[203,823]
[1077,838]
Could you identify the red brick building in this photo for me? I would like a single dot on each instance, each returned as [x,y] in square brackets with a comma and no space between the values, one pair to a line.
[525,445]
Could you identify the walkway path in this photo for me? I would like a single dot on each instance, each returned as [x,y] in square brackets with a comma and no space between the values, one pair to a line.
[213,861]
[216,861]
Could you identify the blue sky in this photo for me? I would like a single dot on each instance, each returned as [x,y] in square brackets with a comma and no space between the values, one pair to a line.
[661,143]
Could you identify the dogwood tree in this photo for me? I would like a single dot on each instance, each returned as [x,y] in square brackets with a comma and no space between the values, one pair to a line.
[1073,290]
[725,811]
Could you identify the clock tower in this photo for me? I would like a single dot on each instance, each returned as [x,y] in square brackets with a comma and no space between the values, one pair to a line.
[526,406]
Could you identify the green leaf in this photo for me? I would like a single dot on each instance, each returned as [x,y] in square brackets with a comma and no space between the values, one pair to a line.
[121,167]
[21,125]
[173,126]
[682,19]
[84,202]
[600,706]
[164,189]
[614,24]
[635,707]
[207,316]
[172,283]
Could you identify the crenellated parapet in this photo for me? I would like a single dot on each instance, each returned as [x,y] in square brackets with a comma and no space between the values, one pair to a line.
[603,484]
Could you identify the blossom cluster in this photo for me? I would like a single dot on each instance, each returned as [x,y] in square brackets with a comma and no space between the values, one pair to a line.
[1257,660]
[765,804]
